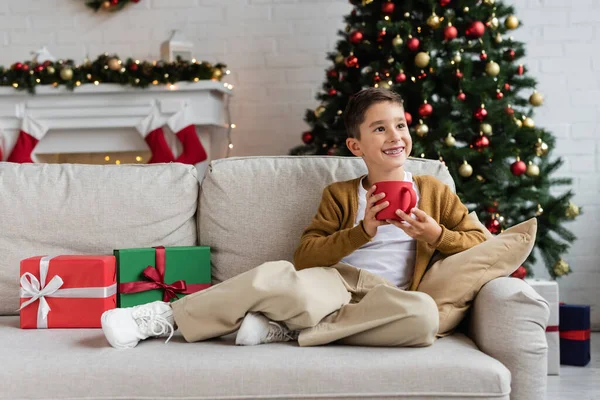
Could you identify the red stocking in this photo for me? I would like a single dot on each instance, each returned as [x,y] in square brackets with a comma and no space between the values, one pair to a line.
[31,133]
[181,123]
[151,130]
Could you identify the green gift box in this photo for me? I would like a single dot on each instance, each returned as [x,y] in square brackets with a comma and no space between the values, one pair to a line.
[161,273]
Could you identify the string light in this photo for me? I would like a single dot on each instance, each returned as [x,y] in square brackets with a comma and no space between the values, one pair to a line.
[78,83]
[194,61]
[230,87]
[118,162]
[15,85]
[172,87]
[155,82]
[107,158]
[227,72]
[233,126]
[138,159]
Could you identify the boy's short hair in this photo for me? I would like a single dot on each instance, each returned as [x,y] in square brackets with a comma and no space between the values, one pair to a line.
[354,115]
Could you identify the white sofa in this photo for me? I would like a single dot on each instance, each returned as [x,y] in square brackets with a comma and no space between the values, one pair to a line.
[249,210]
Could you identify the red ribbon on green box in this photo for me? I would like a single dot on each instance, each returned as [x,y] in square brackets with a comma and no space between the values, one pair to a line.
[156,280]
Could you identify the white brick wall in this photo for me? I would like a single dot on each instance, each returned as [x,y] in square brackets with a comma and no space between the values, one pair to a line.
[276,50]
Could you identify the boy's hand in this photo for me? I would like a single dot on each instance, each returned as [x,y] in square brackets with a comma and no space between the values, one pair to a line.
[422,227]
[370,222]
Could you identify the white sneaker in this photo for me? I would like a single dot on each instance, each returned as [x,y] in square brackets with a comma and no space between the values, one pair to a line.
[125,327]
[258,329]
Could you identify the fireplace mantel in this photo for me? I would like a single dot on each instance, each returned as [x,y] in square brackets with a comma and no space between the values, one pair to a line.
[102,118]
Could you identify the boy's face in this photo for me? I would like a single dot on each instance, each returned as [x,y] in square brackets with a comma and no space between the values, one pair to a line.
[385,142]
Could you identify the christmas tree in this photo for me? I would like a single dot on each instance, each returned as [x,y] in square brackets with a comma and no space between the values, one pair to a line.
[469,103]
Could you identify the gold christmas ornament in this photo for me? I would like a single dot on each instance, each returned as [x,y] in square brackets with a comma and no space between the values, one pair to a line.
[486,128]
[489,2]
[561,268]
[50,69]
[465,170]
[397,41]
[66,74]
[422,59]
[365,2]
[106,4]
[572,211]
[511,22]
[539,210]
[422,129]
[339,58]
[532,170]
[457,57]
[493,22]
[217,74]
[518,122]
[492,68]
[114,64]
[528,122]
[536,99]
[450,141]
[541,148]
[319,111]
[433,21]
[498,38]
[383,84]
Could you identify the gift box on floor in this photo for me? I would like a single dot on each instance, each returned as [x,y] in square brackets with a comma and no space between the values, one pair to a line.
[161,273]
[574,334]
[549,291]
[66,291]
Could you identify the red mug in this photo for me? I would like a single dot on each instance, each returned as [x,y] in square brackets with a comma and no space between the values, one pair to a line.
[400,195]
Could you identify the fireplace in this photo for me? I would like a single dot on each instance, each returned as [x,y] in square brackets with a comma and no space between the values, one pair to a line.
[97,124]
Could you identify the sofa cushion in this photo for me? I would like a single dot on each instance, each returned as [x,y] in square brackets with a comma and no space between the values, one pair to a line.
[80,364]
[90,209]
[254,209]
[454,281]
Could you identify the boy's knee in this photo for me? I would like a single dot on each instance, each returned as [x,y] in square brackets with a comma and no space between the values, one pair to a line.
[428,319]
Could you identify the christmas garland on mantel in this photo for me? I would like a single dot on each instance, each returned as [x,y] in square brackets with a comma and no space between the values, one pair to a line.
[107,69]
[109,5]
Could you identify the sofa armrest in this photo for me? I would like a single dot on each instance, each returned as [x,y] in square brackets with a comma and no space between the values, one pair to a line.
[508,322]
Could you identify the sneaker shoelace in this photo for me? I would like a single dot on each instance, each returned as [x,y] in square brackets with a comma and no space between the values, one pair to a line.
[153,324]
[279,333]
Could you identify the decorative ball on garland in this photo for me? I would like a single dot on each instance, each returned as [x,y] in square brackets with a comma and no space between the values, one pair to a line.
[493,225]
[450,141]
[532,170]
[401,77]
[433,21]
[450,32]
[387,7]
[461,96]
[356,37]
[425,109]
[480,113]
[536,99]
[465,170]
[413,44]
[422,129]
[520,273]
[351,61]
[486,128]
[422,59]
[307,137]
[541,148]
[481,142]
[518,168]
[511,22]
[319,111]
[475,30]
[572,211]
[397,41]
[561,268]
[529,123]
[114,64]
[66,73]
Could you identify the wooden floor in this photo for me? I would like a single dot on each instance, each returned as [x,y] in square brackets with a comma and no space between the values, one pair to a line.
[578,383]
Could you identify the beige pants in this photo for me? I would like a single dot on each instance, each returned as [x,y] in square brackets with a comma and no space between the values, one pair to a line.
[339,303]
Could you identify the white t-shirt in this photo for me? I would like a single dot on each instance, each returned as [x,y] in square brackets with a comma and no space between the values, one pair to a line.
[391,254]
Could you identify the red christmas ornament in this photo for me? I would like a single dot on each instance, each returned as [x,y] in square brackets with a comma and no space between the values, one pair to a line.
[450,32]
[356,37]
[425,110]
[114,2]
[475,30]
[39,68]
[483,56]
[332,92]
[408,118]
[307,137]
[18,66]
[25,67]
[444,3]
[506,86]
[413,44]
[351,61]
[509,55]
[458,74]
[520,69]
[422,76]
[134,67]
[332,73]
[509,111]
[499,95]
[461,96]
[481,142]
[493,208]
[401,77]
[381,36]
[518,168]
[480,114]
[493,225]
[377,78]
[520,273]
[387,8]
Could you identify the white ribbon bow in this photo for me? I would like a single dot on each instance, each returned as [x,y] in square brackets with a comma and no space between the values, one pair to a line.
[39,290]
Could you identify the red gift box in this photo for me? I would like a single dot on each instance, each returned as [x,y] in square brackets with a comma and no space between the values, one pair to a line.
[67,291]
